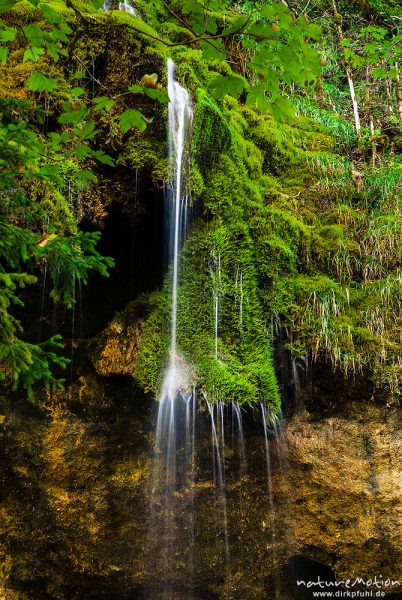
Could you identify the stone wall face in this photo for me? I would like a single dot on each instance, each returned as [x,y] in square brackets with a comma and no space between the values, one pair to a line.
[75,497]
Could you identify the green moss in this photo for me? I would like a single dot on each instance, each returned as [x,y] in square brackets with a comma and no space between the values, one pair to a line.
[280,213]
[211,131]
[142,152]
[59,211]
[243,369]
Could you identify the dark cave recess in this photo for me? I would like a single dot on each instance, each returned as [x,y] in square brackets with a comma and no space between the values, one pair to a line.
[134,236]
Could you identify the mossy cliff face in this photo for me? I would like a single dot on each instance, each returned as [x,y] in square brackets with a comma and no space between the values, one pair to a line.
[283,232]
[75,499]
[286,228]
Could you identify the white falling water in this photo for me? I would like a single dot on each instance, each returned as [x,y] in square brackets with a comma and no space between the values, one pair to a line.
[173,472]
[242,447]
[172,534]
[295,375]
[180,122]
[127,8]
[124,6]
[218,468]
[268,466]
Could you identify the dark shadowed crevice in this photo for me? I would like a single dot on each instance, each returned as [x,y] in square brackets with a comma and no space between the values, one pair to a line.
[133,236]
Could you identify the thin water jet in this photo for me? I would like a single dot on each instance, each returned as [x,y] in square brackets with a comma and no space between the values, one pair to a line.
[242,446]
[268,465]
[215,273]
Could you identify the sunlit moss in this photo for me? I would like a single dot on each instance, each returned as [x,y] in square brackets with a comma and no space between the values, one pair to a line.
[277,217]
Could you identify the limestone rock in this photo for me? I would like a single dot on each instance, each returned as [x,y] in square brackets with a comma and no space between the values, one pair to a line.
[115,350]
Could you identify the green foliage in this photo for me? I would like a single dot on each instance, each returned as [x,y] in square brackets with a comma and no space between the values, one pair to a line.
[224,261]
[69,259]
[38,82]
[243,368]
[21,361]
[342,130]
[211,132]
[132,118]
[283,213]
[374,47]
[227,84]
[322,255]
[37,226]
[275,42]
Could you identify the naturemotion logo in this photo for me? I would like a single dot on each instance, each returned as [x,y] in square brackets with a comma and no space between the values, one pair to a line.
[350,588]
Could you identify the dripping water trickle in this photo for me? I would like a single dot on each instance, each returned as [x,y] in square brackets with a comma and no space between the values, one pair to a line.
[241,443]
[216,293]
[218,467]
[268,466]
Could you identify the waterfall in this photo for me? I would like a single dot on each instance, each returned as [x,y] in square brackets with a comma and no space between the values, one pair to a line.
[199,445]
[124,6]
[127,8]
[218,467]
[171,529]
[295,375]
[269,472]
[180,122]
[242,447]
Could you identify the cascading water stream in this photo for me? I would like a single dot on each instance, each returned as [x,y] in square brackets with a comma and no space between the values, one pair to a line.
[173,532]
[269,478]
[171,539]
[242,446]
[126,7]
[180,121]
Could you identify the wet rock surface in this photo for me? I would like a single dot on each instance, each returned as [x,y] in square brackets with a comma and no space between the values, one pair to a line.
[75,488]
[115,350]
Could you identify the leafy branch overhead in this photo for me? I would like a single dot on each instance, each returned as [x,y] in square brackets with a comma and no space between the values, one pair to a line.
[39,230]
[279,47]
